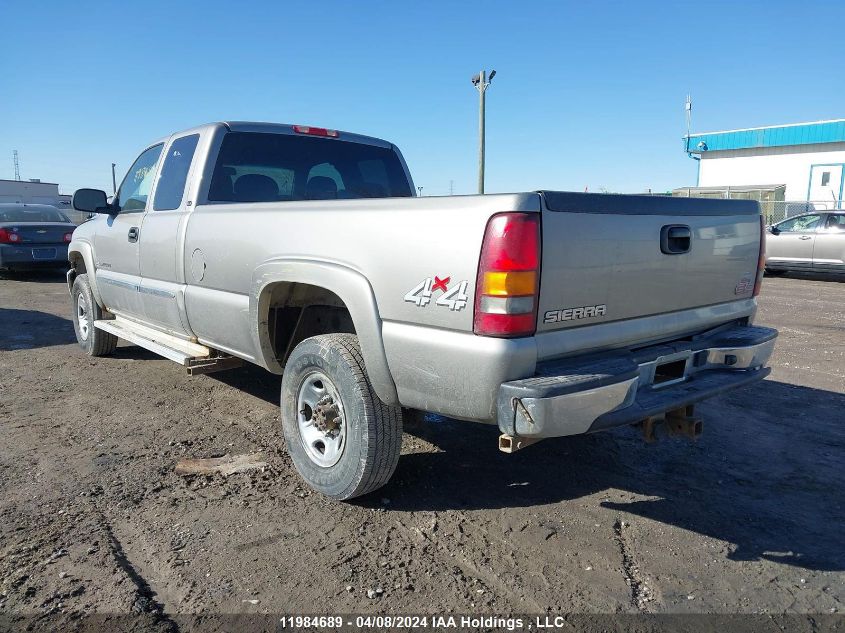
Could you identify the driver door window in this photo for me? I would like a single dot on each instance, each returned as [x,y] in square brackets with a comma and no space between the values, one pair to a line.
[135,188]
[800,224]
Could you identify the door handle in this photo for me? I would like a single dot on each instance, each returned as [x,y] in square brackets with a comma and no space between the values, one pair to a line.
[805,237]
[133,234]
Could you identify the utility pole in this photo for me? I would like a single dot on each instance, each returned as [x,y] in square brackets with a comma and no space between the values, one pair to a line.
[451,187]
[420,190]
[113,180]
[481,82]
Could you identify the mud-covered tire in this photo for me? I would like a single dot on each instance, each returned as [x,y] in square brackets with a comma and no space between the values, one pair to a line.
[372,437]
[93,341]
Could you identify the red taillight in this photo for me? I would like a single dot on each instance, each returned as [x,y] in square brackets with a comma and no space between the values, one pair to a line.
[761,258]
[314,131]
[508,276]
[68,237]
[9,237]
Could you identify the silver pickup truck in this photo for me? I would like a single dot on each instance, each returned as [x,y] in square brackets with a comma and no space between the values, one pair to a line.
[305,251]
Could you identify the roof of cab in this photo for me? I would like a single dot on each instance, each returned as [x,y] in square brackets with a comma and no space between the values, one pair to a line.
[287,128]
[276,128]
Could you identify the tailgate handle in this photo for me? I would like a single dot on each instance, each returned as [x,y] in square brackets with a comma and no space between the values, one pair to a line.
[675,239]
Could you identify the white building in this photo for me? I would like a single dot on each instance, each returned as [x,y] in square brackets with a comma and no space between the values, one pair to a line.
[796,162]
[36,192]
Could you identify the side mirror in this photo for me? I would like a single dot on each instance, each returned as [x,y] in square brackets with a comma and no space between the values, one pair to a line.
[92,201]
[774,230]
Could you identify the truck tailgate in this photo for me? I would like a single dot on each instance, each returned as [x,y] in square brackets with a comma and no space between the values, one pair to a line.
[612,257]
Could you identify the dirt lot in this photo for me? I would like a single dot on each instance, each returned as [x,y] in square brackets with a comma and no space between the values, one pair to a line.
[748,519]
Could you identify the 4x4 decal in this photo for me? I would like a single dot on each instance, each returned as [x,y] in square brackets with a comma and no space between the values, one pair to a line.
[454,299]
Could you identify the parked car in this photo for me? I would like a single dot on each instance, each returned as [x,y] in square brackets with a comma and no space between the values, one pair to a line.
[33,236]
[304,250]
[810,242]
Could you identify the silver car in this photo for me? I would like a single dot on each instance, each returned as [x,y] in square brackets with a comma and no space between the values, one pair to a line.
[808,242]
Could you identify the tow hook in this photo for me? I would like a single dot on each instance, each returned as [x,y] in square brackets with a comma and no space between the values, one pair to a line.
[511,444]
[678,422]
[684,422]
[647,426]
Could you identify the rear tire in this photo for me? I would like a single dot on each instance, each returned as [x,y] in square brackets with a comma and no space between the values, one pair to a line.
[94,341]
[343,440]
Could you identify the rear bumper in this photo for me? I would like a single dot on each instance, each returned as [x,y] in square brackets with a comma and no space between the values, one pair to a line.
[574,396]
[32,255]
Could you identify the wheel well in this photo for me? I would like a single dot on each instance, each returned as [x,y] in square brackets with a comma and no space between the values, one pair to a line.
[77,265]
[298,311]
[77,262]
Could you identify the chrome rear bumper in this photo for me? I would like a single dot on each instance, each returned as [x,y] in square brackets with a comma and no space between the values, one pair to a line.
[574,396]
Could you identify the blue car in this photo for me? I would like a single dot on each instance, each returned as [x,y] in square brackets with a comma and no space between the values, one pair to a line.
[33,236]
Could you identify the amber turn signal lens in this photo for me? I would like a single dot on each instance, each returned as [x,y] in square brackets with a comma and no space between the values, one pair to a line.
[509,284]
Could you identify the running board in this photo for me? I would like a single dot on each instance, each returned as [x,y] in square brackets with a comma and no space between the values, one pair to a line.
[176,349]
[210,365]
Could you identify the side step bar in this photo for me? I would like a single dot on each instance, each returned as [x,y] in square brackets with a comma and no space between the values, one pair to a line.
[198,359]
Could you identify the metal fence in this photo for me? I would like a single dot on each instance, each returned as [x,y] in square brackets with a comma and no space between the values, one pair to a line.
[777,210]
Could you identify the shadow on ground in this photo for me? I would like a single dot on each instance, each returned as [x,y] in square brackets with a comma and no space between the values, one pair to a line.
[767,476]
[30,329]
[811,276]
[37,275]
[774,488]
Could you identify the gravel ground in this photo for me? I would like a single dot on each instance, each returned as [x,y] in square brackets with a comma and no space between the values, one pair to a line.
[749,519]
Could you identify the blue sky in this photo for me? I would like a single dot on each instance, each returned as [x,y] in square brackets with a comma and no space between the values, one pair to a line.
[586,94]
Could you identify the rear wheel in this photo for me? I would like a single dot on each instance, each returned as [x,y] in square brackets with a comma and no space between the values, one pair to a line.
[343,440]
[94,341]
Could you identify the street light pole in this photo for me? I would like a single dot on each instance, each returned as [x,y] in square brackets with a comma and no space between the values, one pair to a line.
[113,180]
[481,82]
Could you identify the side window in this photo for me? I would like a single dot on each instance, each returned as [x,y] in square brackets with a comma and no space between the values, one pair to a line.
[801,223]
[836,222]
[135,187]
[174,173]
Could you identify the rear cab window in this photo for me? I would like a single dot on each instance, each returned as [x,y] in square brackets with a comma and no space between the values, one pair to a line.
[268,167]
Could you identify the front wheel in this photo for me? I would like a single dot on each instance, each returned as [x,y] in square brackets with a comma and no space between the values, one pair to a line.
[343,440]
[94,341]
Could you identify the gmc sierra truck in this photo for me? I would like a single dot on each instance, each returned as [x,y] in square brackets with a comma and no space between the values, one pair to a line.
[304,250]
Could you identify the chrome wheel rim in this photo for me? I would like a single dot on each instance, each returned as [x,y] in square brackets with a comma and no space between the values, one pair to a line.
[82,317]
[322,425]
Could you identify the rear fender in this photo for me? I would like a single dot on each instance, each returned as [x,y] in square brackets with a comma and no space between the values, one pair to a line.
[352,288]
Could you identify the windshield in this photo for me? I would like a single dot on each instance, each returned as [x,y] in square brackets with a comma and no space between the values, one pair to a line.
[263,167]
[28,214]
